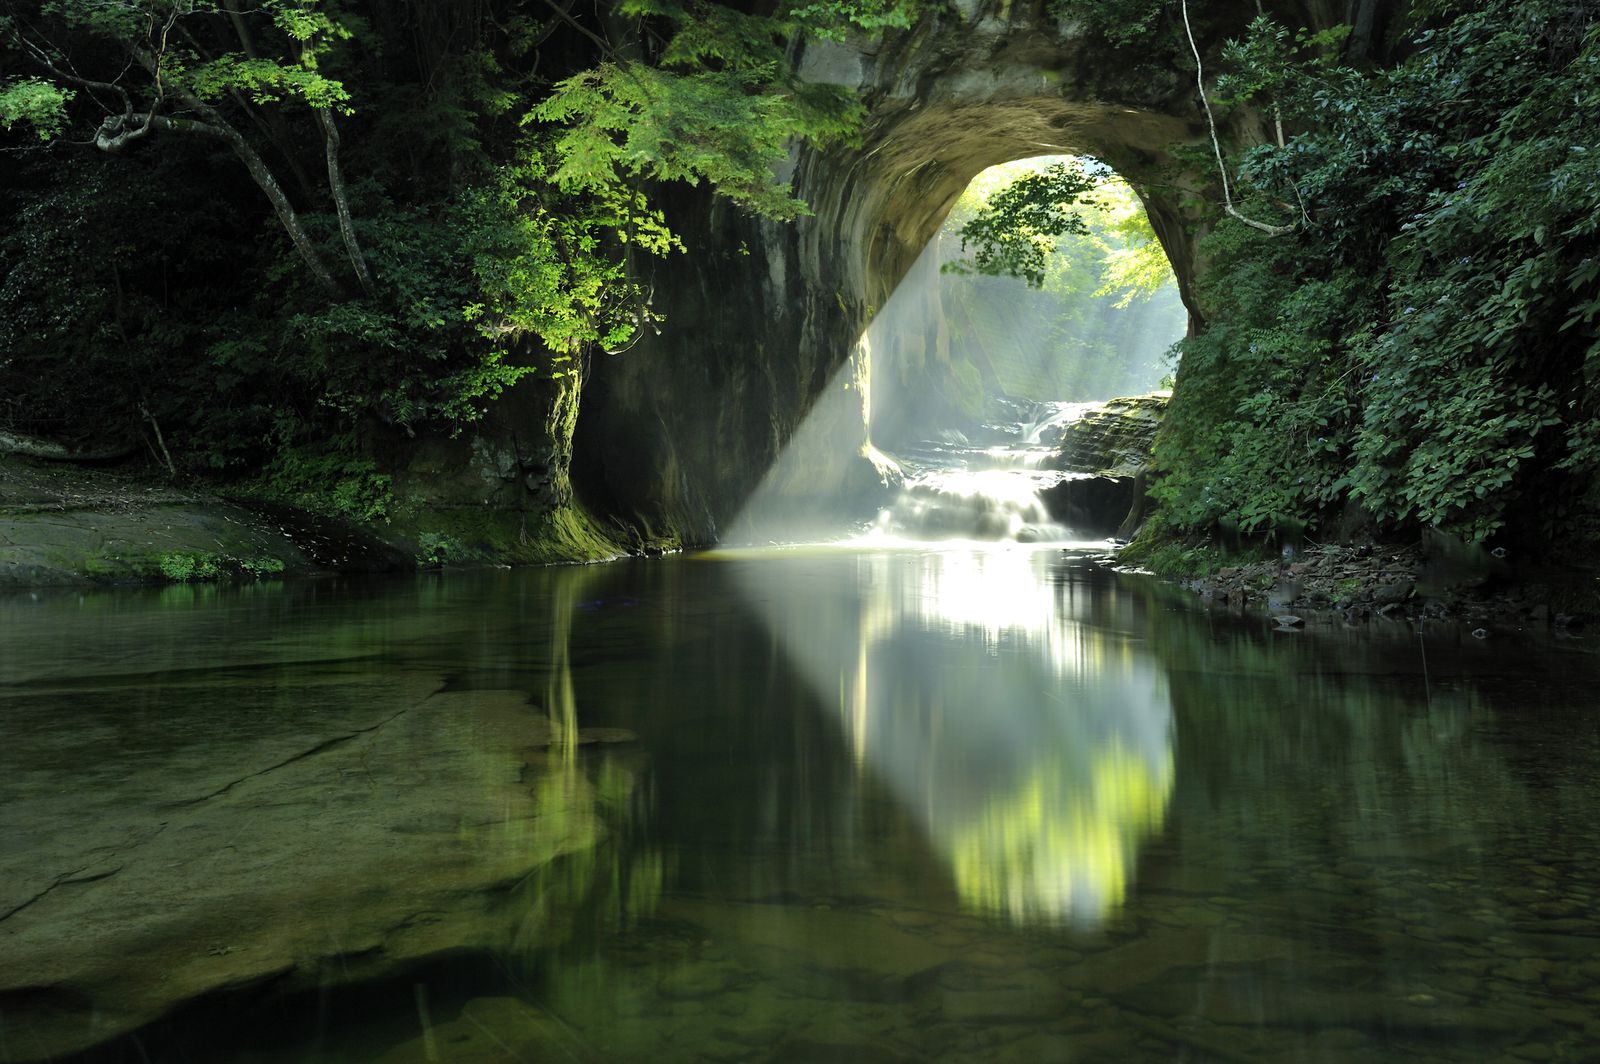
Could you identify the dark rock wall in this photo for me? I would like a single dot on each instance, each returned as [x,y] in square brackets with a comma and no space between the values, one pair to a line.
[1110,450]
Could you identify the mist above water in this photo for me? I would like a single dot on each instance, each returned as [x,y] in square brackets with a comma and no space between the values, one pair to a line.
[963,383]
[987,486]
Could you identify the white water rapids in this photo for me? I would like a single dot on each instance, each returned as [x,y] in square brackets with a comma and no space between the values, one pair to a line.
[985,487]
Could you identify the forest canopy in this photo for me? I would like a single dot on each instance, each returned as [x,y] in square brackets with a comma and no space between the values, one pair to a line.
[1424,343]
[261,230]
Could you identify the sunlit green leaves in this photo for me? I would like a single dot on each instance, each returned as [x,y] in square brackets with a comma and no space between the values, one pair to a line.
[34,103]
[1015,231]
[625,120]
[833,19]
[266,81]
[719,105]
[556,267]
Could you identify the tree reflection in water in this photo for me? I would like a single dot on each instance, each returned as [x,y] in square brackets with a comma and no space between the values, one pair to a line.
[1033,746]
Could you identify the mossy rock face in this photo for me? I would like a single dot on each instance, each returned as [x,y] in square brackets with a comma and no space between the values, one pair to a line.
[479,535]
[65,525]
[1109,451]
[1114,440]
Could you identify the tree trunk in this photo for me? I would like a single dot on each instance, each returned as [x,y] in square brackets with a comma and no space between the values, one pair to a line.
[268,120]
[341,203]
[216,126]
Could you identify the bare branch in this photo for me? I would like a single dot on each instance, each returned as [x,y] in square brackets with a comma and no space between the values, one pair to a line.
[42,57]
[1216,143]
[341,202]
[564,14]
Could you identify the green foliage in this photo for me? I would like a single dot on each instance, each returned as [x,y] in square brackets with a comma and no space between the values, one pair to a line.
[36,103]
[159,287]
[158,280]
[265,81]
[727,127]
[1127,23]
[833,19]
[436,548]
[181,568]
[1156,550]
[1259,424]
[545,264]
[330,479]
[720,104]
[1135,265]
[259,568]
[1015,231]
[1427,342]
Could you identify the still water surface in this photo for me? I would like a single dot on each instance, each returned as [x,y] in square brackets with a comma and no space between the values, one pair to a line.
[810,805]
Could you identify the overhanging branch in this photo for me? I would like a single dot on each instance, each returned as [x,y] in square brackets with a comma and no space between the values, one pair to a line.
[1216,143]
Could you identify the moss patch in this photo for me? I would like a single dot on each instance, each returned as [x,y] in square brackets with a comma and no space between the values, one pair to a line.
[457,535]
[1184,560]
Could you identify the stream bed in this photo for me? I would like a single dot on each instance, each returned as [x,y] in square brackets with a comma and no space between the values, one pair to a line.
[809,804]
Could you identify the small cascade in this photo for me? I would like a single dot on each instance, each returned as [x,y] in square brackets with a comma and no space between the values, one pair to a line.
[987,485]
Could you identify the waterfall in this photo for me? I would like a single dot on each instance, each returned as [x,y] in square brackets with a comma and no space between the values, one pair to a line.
[987,486]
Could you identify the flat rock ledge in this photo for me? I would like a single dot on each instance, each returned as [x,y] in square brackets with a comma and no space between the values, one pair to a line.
[67,525]
[409,824]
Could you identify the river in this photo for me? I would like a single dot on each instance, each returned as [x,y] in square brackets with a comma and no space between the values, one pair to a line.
[986,803]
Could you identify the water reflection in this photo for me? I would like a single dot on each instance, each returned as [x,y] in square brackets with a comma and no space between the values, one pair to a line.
[980,806]
[297,789]
[1031,741]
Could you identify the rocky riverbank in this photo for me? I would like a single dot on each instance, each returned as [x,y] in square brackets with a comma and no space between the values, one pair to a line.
[65,523]
[1436,579]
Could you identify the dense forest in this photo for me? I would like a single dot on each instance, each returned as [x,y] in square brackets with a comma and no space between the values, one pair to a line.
[248,241]
[1417,331]
[254,236]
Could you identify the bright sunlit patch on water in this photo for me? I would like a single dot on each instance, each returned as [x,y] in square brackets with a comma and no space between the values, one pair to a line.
[1032,743]
[985,504]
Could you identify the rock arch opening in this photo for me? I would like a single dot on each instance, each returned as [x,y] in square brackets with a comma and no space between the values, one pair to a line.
[764,323]
[947,421]
[1095,322]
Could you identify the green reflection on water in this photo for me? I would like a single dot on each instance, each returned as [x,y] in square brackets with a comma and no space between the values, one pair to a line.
[1059,843]
[888,807]
[1034,745]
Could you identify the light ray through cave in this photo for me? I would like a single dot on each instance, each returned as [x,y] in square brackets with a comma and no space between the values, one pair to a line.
[961,375]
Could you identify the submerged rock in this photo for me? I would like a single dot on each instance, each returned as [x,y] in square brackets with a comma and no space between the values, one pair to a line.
[274,849]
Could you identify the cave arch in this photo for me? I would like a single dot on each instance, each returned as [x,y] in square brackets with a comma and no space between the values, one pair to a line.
[879,204]
[673,438]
